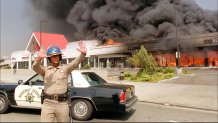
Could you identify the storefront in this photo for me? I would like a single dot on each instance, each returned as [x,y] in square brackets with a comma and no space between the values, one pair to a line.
[195,51]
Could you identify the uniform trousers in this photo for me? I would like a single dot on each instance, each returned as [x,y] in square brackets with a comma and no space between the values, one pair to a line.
[52,110]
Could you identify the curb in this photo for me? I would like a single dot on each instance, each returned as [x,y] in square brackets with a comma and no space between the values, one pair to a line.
[176,105]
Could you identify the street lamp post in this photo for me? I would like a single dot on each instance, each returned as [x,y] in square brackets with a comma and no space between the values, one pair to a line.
[40,28]
[177,42]
[41,22]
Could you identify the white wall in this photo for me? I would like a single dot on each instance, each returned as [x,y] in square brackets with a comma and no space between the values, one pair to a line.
[18,56]
[71,48]
[108,49]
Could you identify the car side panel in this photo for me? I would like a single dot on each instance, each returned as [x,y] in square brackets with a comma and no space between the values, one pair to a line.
[103,99]
[9,91]
[106,98]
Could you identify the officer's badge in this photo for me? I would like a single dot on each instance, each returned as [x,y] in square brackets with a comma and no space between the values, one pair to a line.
[54,49]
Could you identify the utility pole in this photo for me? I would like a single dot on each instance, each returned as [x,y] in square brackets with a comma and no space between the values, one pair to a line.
[177,41]
[40,28]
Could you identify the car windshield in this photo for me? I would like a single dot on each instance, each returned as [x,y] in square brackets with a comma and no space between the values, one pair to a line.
[93,79]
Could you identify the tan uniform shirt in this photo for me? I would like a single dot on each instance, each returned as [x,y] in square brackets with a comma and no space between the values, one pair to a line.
[55,79]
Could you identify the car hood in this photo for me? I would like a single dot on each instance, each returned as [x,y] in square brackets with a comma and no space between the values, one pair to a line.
[8,85]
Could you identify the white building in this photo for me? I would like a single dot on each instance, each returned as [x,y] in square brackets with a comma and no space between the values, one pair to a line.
[111,54]
[20,59]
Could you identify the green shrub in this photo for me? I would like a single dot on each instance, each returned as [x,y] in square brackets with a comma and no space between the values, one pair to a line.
[144,77]
[127,74]
[166,70]
[159,69]
[160,74]
[133,77]
[87,66]
[168,75]
[144,61]
[157,76]
[169,70]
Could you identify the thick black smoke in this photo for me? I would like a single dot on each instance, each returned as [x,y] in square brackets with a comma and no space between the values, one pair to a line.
[129,19]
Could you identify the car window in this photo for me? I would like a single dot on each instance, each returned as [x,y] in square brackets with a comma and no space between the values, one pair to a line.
[79,81]
[37,80]
[93,79]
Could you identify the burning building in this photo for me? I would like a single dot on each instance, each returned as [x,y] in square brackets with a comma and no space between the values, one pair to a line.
[195,51]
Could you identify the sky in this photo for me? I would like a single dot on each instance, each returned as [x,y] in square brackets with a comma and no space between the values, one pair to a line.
[208,4]
[15,25]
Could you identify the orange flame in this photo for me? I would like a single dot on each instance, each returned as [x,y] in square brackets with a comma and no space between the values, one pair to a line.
[111,42]
[187,59]
[213,58]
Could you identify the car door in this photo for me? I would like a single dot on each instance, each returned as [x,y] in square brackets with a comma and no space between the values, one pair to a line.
[37,87]
[28,94]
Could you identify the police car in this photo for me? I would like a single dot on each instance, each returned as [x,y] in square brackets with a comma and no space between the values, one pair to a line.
[88,93]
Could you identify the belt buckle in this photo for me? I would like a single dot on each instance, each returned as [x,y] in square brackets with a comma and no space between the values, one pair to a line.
[56,97]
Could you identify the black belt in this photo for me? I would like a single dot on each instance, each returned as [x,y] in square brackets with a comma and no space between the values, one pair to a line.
[57,97]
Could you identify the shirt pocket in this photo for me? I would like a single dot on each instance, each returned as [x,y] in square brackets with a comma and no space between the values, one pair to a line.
[48,77]
[61,79]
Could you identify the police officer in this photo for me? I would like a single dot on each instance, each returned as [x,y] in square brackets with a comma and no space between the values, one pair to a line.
[55,105]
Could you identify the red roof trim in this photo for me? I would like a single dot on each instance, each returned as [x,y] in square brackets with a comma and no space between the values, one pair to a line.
[48,39]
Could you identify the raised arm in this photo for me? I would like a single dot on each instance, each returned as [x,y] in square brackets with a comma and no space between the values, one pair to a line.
[82,49]
[37,67]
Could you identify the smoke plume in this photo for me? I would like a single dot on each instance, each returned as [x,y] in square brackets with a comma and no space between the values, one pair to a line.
[128,19]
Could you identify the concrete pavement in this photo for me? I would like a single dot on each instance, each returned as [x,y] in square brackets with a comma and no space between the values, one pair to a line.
[198,90]
[193,96]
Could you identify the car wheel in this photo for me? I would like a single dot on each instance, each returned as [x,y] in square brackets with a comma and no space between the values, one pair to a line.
[4,105]
[82,109]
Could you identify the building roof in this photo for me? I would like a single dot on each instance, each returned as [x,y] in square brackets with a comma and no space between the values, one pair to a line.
[48,39]
[186,42]
[20,55]
[108,49]
[6,62]
[111,42]
[71,48]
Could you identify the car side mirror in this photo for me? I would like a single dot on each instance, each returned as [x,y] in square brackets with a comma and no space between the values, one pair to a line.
[31,83]
[20,81]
